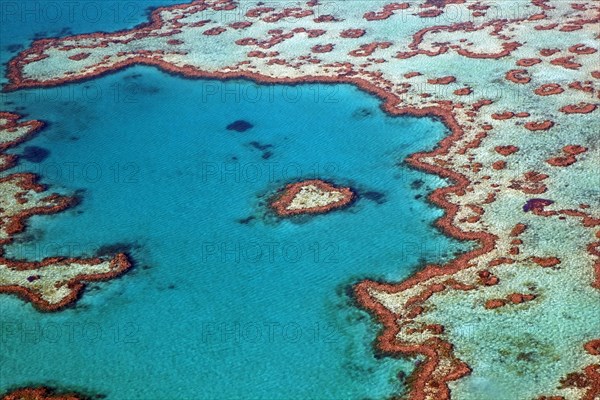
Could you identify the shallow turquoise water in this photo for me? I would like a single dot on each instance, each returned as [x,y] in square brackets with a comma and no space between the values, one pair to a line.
[225,301]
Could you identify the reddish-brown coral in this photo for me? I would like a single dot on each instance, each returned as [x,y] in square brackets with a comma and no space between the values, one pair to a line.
[581,108]
[280,205]
[366,50]
[119,264]
[352,33]
[386,12]
[322,48]
[463,91]
[518,76]
[79,56]
[546,262]
[506,150]
[593,347]
[445,80]
[568,158]
[41,393]
[528,62]
[539,126]
[503,116]
[549,89]
[214,31]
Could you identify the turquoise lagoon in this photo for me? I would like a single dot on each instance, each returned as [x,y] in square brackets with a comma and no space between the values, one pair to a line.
[225,301]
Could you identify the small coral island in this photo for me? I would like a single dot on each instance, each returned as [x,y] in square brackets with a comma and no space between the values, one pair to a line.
[311,197]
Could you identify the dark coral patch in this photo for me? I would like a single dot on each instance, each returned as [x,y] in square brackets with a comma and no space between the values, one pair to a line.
[260,146]
[536,204]
[239,126]
[374,196]
[247,220]
[35,154]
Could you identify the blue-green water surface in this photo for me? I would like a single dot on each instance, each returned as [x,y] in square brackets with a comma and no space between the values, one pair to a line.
[225,301]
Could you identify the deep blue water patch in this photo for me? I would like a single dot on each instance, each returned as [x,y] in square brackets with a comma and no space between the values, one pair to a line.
[35,154]
[239,126]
